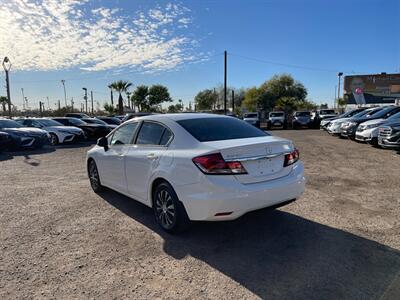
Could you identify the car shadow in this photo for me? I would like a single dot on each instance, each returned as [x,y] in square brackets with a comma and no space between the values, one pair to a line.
[279,255]
[5,156]
[75,145]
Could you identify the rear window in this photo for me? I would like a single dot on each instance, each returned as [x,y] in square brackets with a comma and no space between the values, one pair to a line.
[303,114]
[327,112]
[255,115]
[276,114]
[218,129]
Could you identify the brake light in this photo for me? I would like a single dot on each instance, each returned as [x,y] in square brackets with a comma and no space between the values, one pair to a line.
[291,158]
[215,164]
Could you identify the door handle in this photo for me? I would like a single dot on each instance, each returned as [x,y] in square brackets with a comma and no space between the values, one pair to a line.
[151,156]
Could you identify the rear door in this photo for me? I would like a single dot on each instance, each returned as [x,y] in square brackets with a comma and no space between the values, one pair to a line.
[152,142]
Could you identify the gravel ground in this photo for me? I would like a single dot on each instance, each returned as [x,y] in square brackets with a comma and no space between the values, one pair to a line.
[341,240]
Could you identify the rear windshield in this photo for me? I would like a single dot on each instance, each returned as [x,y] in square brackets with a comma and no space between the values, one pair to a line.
[218,129]
[276,114]
[327,112]
[303,114]
[251,115]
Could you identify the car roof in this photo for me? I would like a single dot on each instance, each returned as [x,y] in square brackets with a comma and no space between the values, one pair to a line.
[179,116]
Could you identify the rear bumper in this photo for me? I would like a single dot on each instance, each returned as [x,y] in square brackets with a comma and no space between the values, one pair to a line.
[224,194]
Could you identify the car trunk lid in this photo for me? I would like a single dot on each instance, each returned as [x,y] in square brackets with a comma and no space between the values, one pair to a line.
[262,157]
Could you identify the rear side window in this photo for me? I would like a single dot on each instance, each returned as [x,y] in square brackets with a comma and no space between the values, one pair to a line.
[124,134]
[218,129]
[153,134]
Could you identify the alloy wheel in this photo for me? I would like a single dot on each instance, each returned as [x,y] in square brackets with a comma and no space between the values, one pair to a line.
[165,209]
[94,176]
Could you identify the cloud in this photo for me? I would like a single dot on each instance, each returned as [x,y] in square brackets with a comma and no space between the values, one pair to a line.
[63,34]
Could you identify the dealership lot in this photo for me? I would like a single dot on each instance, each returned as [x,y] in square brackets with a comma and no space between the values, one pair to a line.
[340,240]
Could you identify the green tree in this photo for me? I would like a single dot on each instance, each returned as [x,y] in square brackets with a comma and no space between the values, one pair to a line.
[120,86]
[341,102]
[139,97]
[205,100]
[174,108]
[281,86]
[3,102]
[109,108]
[158,94]
[252,99]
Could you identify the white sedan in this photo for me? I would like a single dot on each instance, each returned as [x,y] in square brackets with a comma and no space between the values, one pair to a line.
[59,134]
[196,167]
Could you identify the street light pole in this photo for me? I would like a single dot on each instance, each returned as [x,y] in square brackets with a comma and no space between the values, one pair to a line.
[7,67]
[65,92]
[23,99]
[338,90]
[85,98]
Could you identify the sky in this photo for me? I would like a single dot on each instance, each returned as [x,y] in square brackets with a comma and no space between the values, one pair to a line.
[181,44]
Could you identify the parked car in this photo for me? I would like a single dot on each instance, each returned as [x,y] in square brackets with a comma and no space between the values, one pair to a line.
[349,128]
[129,116]
[110,120]
[322,114]
[326,121]
[92,131]
[59,134]
[100,122]
[24,137]
[252,118]
[76,115]
[389,135]
[5,141]
[368,131]
[196,167]
[334,127]
[276,119]
[301,119]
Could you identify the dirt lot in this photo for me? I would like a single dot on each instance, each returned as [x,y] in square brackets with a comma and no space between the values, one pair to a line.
[341,240]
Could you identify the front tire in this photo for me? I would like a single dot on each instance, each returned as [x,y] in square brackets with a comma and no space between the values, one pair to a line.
[94,177]
[169,212]
[53,139]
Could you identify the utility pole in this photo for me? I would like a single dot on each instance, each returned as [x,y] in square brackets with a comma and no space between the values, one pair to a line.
[59,104]
[225,79]
[40,108]
[233,101]
[48,103]
[85,97]
[23,99]
[335,99]
[72,104]
[91,99]
[65,92]
[26,103]
[7,67]
[338,90]
[112,97]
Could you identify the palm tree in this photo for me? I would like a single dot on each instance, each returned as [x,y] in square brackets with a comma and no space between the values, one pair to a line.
[120,86]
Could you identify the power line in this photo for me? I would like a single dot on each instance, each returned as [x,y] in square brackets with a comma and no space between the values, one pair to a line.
[288,65]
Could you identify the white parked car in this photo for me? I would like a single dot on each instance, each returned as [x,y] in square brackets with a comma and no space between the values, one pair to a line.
[59,133]
[196,167]
[252,118]
[369,130]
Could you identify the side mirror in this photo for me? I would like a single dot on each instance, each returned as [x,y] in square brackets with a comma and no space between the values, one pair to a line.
[102,142]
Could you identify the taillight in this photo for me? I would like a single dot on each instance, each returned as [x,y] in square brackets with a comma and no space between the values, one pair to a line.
[215,164]
[291,158]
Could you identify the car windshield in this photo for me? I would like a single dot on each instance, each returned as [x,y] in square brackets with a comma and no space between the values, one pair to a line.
[303,114]
[379,112]
[76,121]
[9,124]
[95,121]
[48,122]
[395,116]
[276,114]
[111,121]
[254,115]
[327,112]
[218,129]
[362,113]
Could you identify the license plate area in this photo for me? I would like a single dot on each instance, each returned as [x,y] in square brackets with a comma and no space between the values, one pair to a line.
[263,167]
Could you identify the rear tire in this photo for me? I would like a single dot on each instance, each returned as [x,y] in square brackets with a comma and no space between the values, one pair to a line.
[169,212]
[94,177]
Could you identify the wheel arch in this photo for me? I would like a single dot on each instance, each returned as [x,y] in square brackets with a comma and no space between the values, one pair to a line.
[157,181]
